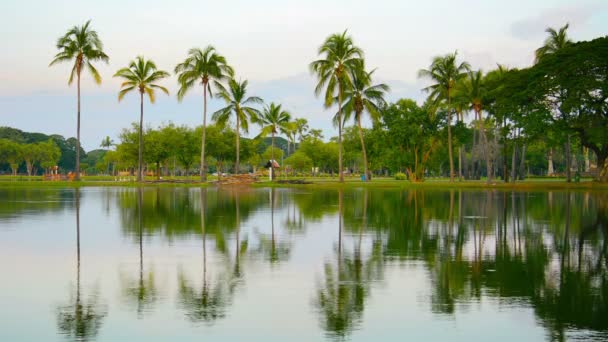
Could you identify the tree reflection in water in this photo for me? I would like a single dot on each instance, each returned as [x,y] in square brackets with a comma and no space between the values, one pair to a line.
[80,319]
[341,296]
[141,293]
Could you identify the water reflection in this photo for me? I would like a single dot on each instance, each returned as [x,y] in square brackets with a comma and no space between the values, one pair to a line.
[140,293]
[80,319]
[541,252]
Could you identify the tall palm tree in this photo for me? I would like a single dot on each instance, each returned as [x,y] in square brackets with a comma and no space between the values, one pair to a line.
[82,46]
[363,97]
[301,127]
[556,41]
[141,75]
[472,91]
[340,55]
[205,66]
[445,72]
[237,103]
[273,120]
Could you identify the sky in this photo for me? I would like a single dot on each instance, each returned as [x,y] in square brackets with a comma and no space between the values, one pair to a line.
[268,42]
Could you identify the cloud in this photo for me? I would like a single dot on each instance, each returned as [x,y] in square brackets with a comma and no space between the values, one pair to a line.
[534,26]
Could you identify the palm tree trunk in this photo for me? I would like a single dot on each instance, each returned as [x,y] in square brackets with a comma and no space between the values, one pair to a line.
[238,131]
[367,175]
[450,153]
[203,166]
[340,134]
[141,139]
[77,177]
[272,157]
[550,169]
[568,160]
[514,162]
[522,163]
[484,142]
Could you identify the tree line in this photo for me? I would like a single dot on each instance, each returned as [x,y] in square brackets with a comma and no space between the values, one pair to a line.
[519,116]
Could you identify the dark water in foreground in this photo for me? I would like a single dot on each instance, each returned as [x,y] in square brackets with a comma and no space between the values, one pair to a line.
[113,264]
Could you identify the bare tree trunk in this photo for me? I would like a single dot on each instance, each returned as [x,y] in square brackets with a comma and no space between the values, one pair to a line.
[522,163]
[587,163]
[272,176]
[203,171]
[77,177]
[484,142]
[141,139]
[340,134]
[568,160]
[513,163]
[550,170]
[450,153]
[367,173]
[238,133]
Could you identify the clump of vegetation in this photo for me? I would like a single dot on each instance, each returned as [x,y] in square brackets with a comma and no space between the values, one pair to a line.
[400,176]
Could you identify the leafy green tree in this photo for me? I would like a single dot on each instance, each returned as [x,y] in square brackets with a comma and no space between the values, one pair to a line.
[339,57]
[12,153]
[187,147]
[299,161]
[205,66]
[141,76]
[445,72]
[237,103]
[272,121]
[82,46]
[31,154]
[363,97]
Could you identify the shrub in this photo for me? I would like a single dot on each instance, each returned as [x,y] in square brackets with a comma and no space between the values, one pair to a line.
[400,176]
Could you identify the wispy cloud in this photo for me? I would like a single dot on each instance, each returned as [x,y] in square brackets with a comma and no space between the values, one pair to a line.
[534,26]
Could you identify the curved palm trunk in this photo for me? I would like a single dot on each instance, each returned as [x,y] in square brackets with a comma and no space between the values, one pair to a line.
[141,139]
[77,177]
[340,135]
[367,173]
[484,142]
[450,152]
[238,133]
[203,166]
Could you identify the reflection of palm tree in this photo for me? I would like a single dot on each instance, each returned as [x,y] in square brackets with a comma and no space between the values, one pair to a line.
[277,251]
[341,298]
[80,319]
[144,293]
[209,303]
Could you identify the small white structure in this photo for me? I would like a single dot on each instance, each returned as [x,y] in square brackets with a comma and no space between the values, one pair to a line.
[271,165]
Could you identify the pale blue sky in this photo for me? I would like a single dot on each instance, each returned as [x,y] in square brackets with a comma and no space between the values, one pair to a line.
[269,42]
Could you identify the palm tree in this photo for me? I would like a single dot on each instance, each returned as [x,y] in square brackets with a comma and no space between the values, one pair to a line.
[273,119]
[82,45]
[445,72]
[363,97]
[141,75]
[472,91]
[237,103]
[290,130]
[106,143]
[205,66]
[556,41]
[340,56]
[301,127]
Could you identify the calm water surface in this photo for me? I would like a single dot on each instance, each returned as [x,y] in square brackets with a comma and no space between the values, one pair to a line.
[163,264]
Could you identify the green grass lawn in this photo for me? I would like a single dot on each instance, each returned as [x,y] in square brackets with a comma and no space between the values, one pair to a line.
[317,182]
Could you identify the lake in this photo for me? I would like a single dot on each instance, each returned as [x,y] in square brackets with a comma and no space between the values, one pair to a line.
[260,264]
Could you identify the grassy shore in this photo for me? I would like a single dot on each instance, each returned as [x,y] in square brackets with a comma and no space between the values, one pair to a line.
[316,182]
